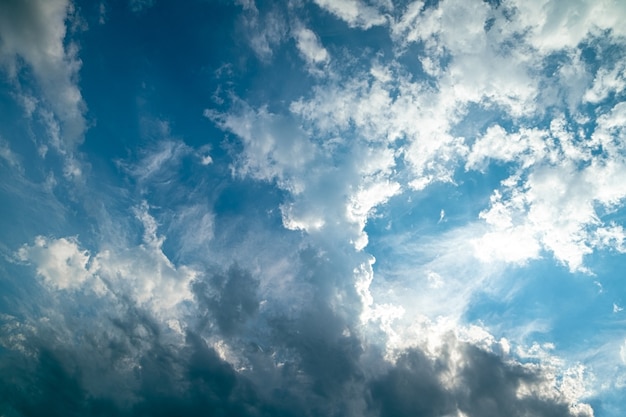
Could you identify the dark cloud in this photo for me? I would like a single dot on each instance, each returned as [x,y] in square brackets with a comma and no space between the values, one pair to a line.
[411,388]
[485,386]
[231,297]
[195,381]
[123,361]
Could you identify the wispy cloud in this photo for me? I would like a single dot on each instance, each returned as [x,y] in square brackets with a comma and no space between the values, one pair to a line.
[34,34]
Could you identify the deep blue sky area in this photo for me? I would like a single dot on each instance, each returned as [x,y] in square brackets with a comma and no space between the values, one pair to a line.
[312,208]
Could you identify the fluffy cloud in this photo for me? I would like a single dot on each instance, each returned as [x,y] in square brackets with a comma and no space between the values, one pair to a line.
[193,378]
[274,148]
[310,48]
[143,273]
[557,198]
[60,262]
[322,192]
[355,12]
[554,25]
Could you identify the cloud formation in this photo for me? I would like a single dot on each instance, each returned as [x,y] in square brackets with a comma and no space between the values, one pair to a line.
[33,35]
[341,205]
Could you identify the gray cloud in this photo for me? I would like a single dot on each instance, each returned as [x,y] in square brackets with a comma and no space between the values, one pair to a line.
[120,359]
[329,380]
[231,298]
[486,386]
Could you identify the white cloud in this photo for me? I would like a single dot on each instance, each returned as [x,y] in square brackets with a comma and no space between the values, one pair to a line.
[374,109]
[34,33]
[554,207]
[10,157]
[556,198]
[513,245]
[354,12]
[193,225]
[310,47]
[159,160]
[359,124]
[143,272]
[558,25]
[606,82]
[274,148]
[102,13]
[61,262]
[366,198]
[324,195]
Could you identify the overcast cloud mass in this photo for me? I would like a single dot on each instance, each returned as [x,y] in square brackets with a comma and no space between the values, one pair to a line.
[313,208]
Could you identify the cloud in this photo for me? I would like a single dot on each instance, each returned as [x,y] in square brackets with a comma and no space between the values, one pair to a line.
[483,384]
[9,157]
[231,298]
[554,25]
[142,273]
[310,48]
[223,308]
[265,30]
[383,106]
[557,198]
[274,148]
[321,191]
[354,12]
[332,373]
[60,262]
[606,82]
[34,35]
[192,227]
[157,164]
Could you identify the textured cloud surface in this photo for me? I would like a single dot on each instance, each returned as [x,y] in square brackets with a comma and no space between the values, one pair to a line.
[312,208]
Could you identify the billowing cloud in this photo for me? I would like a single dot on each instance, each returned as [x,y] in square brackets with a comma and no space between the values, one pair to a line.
[143,273]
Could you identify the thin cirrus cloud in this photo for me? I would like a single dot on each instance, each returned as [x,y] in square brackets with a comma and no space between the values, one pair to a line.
[360,208]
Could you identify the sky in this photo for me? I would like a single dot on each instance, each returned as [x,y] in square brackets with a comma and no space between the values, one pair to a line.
[349,208]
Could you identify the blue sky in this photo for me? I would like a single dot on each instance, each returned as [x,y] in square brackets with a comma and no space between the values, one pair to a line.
[312,208]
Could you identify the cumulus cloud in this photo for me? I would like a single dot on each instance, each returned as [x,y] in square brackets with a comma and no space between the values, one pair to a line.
[322,192]
[60,262]
[482,385]
[194,378]
[554,25]
[274,148]
[553,202]
[143,273]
